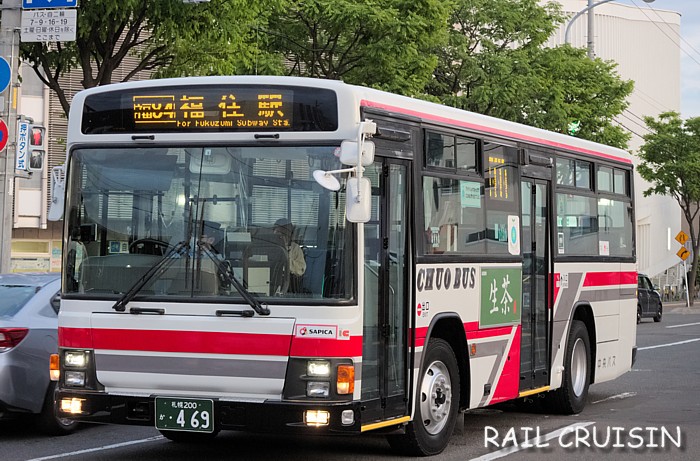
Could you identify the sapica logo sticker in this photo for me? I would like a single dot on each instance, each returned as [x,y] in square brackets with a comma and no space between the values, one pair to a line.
[317,331]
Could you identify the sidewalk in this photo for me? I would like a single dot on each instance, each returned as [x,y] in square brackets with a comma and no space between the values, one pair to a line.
[681,307]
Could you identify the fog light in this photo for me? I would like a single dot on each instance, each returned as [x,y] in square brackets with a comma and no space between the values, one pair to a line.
[77,359]
[72,406]
[75,378]
[316,417]
[318,368]
[346,379]
[317,389]
[347,417]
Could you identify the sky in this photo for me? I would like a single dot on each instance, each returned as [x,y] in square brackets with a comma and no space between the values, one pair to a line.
[690,49]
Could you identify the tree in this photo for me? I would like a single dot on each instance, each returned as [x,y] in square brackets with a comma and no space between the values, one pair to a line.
[671,163]
[379,43]
[167,37]
[496,64]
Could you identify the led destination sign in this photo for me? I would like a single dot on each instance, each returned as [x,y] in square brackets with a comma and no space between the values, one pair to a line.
[200,108]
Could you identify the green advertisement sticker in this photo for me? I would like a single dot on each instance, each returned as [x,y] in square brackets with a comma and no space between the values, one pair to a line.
[501,294]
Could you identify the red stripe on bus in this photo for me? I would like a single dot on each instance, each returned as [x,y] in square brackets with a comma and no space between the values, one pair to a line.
[599,279]
[203,342]
[490,130]
[75,337]
[490,332]
[508,383]
[471,329]
[325,347]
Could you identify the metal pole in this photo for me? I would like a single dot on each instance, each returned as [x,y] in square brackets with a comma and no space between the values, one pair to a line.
[591,5]
[685,274]
[591,30]
[9,49]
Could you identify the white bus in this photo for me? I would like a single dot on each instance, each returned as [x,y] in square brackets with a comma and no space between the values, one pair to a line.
[297,255]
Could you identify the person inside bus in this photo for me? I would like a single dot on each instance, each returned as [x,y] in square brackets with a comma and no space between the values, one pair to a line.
[297,262]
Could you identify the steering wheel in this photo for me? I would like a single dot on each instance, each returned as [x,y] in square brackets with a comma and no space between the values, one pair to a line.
[149,246]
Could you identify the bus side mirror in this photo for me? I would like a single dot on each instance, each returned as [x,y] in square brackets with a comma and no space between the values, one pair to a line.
[58,192]
[358,200]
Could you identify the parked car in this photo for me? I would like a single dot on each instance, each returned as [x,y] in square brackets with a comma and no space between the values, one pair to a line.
[648,300]
[29,305]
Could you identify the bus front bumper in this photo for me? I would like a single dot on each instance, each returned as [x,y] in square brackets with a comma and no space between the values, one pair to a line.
[269,416]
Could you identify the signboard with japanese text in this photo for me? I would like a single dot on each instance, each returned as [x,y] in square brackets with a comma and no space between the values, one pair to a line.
[29,4]
[210,108]
[22,146]
[501,294]
[57,25]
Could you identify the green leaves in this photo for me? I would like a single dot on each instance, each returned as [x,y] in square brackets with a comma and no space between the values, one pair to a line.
[496,64]
[486,56]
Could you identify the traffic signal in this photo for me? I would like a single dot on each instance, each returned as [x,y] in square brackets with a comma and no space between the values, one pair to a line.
[36,146]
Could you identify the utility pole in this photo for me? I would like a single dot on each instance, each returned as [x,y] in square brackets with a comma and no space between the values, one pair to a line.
[9,49]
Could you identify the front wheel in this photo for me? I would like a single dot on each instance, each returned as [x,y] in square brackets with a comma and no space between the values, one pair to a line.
[437,404]
[659,313]
[571,397]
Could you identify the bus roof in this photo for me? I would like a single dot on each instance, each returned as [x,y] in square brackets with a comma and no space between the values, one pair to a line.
[351,98]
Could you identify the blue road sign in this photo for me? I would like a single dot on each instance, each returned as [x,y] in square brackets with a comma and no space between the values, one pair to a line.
[5,74]
[28,4]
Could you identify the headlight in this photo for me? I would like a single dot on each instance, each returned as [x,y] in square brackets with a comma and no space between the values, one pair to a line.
[318,389]
[76,359]
[75,378]
[318,368]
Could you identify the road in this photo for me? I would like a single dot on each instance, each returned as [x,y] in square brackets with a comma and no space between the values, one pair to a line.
[657,403]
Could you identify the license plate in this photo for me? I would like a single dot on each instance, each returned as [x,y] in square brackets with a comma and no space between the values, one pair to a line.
[181,414]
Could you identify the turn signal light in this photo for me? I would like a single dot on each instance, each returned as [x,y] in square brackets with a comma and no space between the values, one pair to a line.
[54,368]
[345,383]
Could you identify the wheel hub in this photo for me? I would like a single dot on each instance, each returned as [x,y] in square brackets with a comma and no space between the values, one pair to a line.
[436,397]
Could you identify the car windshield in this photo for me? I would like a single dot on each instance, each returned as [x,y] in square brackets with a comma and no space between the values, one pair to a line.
[14,297]
[257,210]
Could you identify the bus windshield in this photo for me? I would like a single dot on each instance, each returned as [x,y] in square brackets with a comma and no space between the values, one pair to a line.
[255,212]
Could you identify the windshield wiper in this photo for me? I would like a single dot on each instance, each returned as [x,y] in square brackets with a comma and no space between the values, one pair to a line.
[226,271]
[157,269]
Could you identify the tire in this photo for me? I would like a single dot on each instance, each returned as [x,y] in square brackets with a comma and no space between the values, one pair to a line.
[659,313]
[189,437]
[639,314]
[48,422]
[571,397]
[437,404]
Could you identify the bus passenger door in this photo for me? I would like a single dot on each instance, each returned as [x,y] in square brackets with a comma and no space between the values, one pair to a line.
[534,369]
[384,376]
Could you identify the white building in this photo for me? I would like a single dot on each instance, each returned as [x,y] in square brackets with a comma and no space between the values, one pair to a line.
[645,43]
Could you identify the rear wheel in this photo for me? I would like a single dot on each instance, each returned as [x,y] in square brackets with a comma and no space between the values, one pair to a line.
[639,313]
[571,396]
[437,404]
[659,313]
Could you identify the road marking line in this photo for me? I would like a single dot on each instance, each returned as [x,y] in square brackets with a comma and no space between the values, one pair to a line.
[624,395]
[667,345]
[534,442]
[684,325]
[106,447]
